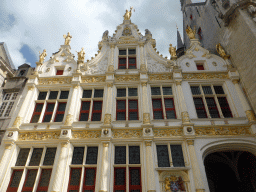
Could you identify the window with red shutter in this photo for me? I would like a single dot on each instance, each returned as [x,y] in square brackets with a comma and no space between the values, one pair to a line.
[44,180]
[48,112]
[15,181]
[200,66]
[127,58]
[59,72]
[60,112]
[37,113]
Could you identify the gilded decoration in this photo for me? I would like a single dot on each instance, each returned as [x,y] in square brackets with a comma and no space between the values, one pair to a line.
[191,33]
[190,142]
[8,146]
[69,119]
[148,143]
[95,79]
[160,77]
[143,68]
[205,76]
[128,14]
[107,119]
[105,144]
[17,121]
[250,115]
[65,144]
[131,133]
[42,57]
[168,132]
[39,135]
[30,88]
[127,31]
[111,68]
[67,38]
[146,118]
[110,84]
[174,183]
[125,78]
[86,134]
[222,52]
[185,117]
[52,81]
[210,131]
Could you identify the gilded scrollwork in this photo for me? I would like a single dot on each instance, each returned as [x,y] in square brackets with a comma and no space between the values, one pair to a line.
[39,135]
[250,115]
[86,134]
[205,76]
[51,81]
[131,133]
[210,131]
[94,79]
[125,78]
[160,77]
[168,132]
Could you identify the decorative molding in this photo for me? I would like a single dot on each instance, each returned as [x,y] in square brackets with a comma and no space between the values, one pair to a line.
[205,76]
[190,142]
[94,79]
[148,143]
[159,77]
[178,82]
[51,81]
[110,84]
[17,122]
[105,144]
[185,117]
[69,120]
[30,88]
[124,133]
[168,132]
[8,146]
[86,134]
[107,119]
[143,84]
[146,118]
[143,68]
[235,81]
[250,115]
[125,78]
[111,68]
[64,144]
[210,131]
[39,135]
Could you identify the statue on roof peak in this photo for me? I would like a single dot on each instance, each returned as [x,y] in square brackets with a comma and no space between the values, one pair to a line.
[67,38]
[128,14]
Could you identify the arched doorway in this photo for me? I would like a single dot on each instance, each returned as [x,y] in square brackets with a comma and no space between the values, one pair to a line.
[231,171]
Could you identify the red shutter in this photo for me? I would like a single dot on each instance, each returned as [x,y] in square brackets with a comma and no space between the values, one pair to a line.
[74,179]
[169,109]
[45,176]
[120,110]
[131,63]
[48,112]
[157,109]
[122,63]
[96,110]
[37,113]
[84,112]
[200,67]
[89,179]
[15,181]
[133,109]
[59,72]
[135,179]
[119,179]
[30,180]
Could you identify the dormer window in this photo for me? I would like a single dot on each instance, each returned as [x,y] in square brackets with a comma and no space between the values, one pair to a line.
[22,73]
[200,66]
[59,72]
[127,58]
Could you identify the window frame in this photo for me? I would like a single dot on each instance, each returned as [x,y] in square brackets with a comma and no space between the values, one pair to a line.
[8,104]
[127,58]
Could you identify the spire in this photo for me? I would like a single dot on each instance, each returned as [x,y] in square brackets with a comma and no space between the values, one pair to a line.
[179,40]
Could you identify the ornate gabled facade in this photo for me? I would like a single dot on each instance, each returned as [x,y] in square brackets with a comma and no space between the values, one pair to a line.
[126,120]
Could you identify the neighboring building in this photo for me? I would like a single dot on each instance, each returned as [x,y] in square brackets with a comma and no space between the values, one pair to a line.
[232,23]
[129,120]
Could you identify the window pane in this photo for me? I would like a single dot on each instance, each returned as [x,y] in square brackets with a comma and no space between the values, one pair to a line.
[207,90]
[158,115]
[64,94]
[200,67]
[78,155]
[62,107]
[2,108]
[59,118]
[36,156]
[86,105]
[39,107]
[132,51]
[120,154]
[98,93]
[35,118]
[132,61]
[133,104]
[155,91]
[121,92]
[170,114]
[16,176]
[45,178]
[121,104]
[87,94]
[134,154]
[122,52]
[132,92]
[218,90]
[92,154]
[120,176]
[50,107]
[14,96]
[157,104]
[96,116]
[47,118]
[49,156]
[224,107]
[22,158]
[122,61]
[30,179]
[133,115]
[213,110]
[134,176]
[42,96]
[195,90]
[167,90]
[168,103]
[97,105]
[162,156]
[120,116]
[75,177]
[53,95]
[8,110]
[200,109]
[84,116]
[177,156]
[90,177]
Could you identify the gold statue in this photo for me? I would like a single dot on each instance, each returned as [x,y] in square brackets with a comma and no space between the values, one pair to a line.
[221,51]
[191,33]
[128,14]
[172,51]
[67,38]
[42,56]
[167,184]
[81,55]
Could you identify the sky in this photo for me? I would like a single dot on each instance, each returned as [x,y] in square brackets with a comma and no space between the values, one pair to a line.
[30,26]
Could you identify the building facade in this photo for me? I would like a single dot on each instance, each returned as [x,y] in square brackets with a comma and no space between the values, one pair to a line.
[126,120]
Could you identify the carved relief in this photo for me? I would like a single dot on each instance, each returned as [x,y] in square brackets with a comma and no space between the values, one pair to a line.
[39,135]
[125,78]
[69,120]
[94,79]
[50,81]
[160,77]
[146,118]
[98,68]
[206,76]
[131,133]
[154,66]
[107,119]
[168,132]
[174,183]
[17,122]
[250,115]
[86,134]
[185,117]
[210,131]
[111,68]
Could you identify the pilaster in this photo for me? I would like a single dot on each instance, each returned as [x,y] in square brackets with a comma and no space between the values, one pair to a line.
[105,164]
[151,185]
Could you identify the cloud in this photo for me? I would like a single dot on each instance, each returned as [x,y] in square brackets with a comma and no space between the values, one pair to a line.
[41,24]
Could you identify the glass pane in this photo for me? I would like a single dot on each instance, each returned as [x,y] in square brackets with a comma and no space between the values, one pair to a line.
[162,156]
[14,96]
[135,176]
[62,107]
[132,61]
[200,110]
[78,155]
[122,67]
[96,116]
[49,156]
[121,92]
[122,52]
[39,107]
[177,156]
[75,177]
[50,107]
[86,105]
[157,104]
[84,116]
[213,110]
[170,114]
[120,154]
[132,51]
[16,176]
[53,95]
[92,154]
[167,90]
[120,176]
[98,93]
[121,105]
[59,117]
[155,91]
[133,104]
[218,90]
[89,177]
[45,178]
[120,116]
[195,90]
[47,118]
[42,96]
[207,90]
[22,158]
[224,107]
[97,105]
[87,94]
[64,94]
[158,115]
[132,92]
[36,156]
[134,154]
[168,103]
[35,118]
[122,61]
[30,179]
[133,115]
[132,66]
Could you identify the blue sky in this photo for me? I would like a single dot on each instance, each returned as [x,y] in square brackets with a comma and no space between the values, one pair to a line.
[29,26]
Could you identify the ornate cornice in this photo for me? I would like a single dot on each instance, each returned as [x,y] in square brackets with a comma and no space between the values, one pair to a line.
[93,79]
[189,76]
[125,78]
[124,133]
[222,130]
[86,134]
[168,132]
[160,77]
[36,135]
[51,81]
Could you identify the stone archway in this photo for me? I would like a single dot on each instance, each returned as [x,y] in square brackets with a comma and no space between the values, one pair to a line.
[231,171]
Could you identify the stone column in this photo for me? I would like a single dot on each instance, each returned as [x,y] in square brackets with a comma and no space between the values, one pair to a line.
[145,103]
[184,111]
[248,110]
[151,185]
[61,167]
[108,101]
[195,167]
[111,61]
[4,163]
[104,178]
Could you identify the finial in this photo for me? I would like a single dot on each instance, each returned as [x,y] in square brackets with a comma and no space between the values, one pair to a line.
[128,14]
[42,56]
[81,55]
[172,51]
[191,33]
[67,38]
